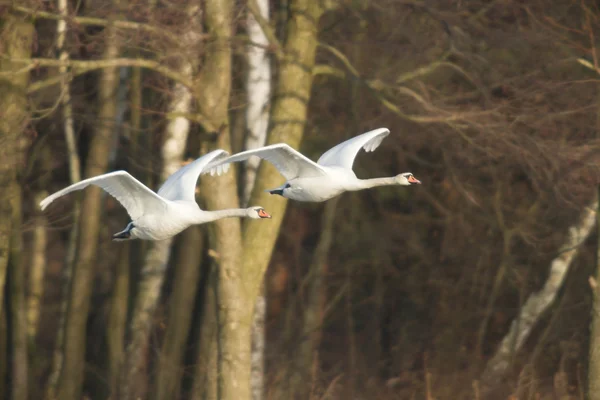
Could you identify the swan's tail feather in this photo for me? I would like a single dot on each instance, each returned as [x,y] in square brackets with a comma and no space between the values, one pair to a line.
[276,191]
[124,234]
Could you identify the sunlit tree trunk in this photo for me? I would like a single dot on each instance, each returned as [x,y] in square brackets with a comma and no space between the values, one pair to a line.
[72,373]
[258,89]
[234,313]
[153,272]
[287,120]
[16,36]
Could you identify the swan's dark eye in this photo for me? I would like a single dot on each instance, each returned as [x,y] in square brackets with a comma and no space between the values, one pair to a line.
[287,185]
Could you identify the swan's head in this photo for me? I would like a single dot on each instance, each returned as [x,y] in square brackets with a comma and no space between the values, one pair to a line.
[257,213]
[407,179]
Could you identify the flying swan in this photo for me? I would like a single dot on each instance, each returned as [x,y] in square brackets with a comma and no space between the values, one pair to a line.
[158,216]
[330,176]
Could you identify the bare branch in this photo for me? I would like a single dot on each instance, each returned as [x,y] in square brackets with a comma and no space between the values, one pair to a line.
[87,66]
[100,22]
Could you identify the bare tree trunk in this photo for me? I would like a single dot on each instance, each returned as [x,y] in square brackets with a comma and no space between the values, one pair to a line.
[593,391]
[18,312]
[153,272]
[117,320]
[181,308]
[538,302]
[36,271]
[72,373]
[16,36]
[75,176]
[287,119]
[302,380]
[205,374]
[258,89]
[235,308]
[3,354]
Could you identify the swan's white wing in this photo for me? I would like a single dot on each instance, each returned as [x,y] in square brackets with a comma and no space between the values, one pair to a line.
[182,184]
[131,193]
[290,163]
[343,154]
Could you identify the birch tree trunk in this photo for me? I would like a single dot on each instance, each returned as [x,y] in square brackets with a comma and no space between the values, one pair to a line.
[153,272]
[538,302]
[258,89]
[287,121]
[72,373]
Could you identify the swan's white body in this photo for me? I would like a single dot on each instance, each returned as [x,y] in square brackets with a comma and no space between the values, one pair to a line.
[159,216]
[330,176]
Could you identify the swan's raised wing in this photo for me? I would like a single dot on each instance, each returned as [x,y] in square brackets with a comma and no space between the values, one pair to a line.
[182,184]
[131,193]
[289,162]
[343,154]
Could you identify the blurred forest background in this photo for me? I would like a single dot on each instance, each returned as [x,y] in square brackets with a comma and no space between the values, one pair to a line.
[478,284]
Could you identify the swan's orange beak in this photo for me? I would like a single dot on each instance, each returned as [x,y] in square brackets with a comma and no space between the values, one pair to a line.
[263,214]
[414,180]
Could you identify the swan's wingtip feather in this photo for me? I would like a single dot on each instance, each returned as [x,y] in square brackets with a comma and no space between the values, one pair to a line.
[45,203]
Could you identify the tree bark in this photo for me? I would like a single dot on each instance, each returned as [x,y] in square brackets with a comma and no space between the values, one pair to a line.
[593,391]
[538,302]
[117,320]
[235,308]
[16,36]
[287,121]
[17,319]
[258,90]
[153,272]
[205,374]
[72,373]
[181,308]
[75,176]
[36,271]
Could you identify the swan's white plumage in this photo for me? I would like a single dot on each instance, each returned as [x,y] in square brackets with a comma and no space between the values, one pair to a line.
[131,193]
[182,184]
[327,178]
[158,216]
[343,154]
[289,162]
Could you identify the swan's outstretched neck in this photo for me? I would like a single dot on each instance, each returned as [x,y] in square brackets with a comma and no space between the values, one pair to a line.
[208,216]
[361,184]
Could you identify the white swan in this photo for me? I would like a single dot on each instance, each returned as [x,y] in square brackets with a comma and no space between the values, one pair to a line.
[158,216]
[331,175]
